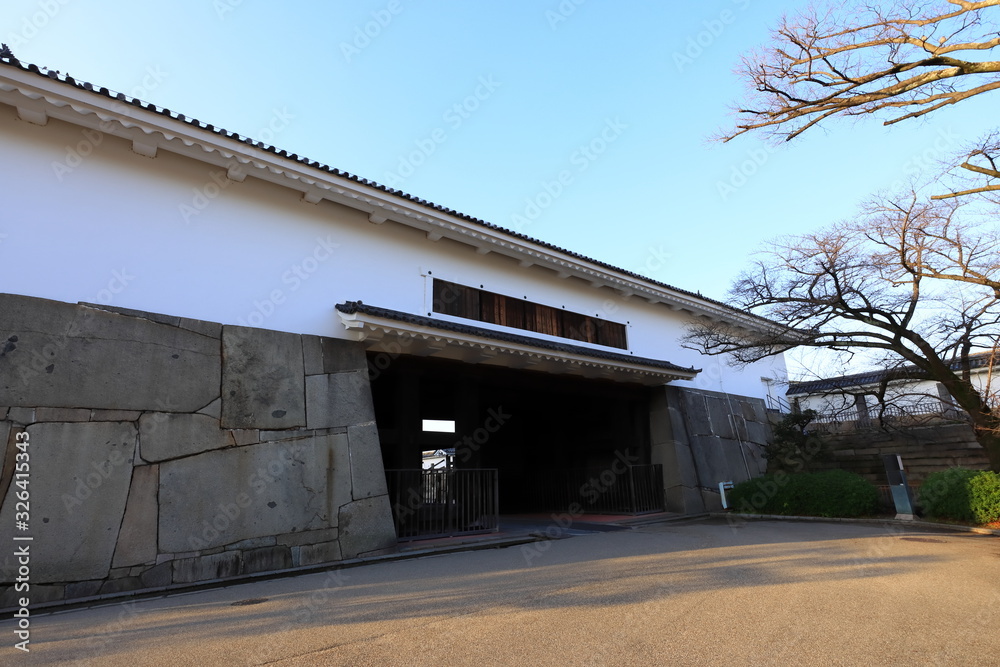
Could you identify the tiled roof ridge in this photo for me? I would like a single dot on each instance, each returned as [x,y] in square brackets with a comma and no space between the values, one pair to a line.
[977,360]
[11,61]
[351,307]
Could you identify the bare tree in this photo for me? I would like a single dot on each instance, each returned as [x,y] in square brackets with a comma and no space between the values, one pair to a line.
[914,279]
[911,280]
[899,60]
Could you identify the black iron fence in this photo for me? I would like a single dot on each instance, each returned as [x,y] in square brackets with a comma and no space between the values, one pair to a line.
[439,503]
[915,414]
[615,489]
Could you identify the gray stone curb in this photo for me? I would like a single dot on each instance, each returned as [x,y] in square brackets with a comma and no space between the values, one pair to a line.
[926,525]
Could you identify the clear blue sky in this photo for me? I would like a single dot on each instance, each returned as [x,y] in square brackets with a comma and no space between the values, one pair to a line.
[598,113]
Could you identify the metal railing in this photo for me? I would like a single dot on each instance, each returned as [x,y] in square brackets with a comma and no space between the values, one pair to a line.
[777,404]
[440,503]
[924,412]
[633,489]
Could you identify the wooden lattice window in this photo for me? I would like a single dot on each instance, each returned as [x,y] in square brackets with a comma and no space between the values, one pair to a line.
[484,306]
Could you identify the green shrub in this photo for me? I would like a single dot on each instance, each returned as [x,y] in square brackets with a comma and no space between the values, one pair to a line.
[831,493]
[795,448]
[984,497]
[945,494]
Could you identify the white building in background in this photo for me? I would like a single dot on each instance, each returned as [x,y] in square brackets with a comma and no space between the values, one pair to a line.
[849,398]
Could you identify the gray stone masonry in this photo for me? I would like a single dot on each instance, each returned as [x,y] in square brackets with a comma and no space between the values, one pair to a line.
[702,438]
[924,450]
[167,451]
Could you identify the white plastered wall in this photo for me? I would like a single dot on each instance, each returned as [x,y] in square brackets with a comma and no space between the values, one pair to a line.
[172,235]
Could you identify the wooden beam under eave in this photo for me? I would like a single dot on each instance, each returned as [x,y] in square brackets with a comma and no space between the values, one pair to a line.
[146,149]
[33,116]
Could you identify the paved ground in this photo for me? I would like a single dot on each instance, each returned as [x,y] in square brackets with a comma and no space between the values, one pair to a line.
[698,593]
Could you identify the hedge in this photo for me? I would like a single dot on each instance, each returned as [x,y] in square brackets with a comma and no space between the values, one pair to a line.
[833,493]
[962,495]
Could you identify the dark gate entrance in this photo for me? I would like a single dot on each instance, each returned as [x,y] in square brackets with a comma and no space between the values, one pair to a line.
[617,488]
[538,431]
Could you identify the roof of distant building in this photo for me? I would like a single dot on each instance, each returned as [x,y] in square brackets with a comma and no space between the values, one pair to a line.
[907,372]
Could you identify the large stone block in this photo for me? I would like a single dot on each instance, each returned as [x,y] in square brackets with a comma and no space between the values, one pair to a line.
[262,381]
[366,525]
[312,355]
[80,475]
[266,489]
[165,436]
[343,355]
[718,460]
[696,413]
[137,540]
[723,421]
[367,471]
[61,355]
[339,399]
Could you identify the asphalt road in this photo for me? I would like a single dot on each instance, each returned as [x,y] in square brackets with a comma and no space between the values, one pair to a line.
[702,593]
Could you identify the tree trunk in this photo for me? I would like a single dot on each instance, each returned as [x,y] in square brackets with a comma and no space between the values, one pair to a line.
[990,440]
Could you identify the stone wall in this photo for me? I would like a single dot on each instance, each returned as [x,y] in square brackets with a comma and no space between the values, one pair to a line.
[165,451]
[703,438]
[924,450]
